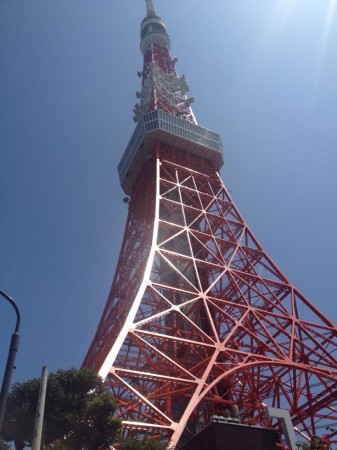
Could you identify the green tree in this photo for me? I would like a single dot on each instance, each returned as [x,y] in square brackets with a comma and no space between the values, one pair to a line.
[317,443]
[3,445]
[79,413]
[143,444]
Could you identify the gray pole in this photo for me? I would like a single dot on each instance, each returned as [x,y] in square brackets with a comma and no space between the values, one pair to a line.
[37,434]
[13,348]
[287,425]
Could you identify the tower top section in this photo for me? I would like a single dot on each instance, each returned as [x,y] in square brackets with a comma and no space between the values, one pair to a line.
[162,87]
[163,112]
[153,30]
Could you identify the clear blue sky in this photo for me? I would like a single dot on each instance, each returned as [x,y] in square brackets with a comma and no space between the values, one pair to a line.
[263,74]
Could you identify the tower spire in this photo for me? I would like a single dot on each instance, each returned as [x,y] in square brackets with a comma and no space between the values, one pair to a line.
[150,8]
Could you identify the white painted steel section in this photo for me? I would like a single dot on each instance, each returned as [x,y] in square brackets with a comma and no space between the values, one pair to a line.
[143,425]
[129,323]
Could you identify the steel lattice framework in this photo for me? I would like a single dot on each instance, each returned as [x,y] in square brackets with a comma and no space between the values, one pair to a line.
[199,318]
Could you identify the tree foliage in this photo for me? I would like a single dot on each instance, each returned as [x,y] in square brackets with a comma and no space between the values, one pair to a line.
[3,445]
[79,413]
[143,444]
[318,443]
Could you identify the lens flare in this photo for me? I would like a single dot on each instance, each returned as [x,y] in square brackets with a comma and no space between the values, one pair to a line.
[276,23]
[323,46]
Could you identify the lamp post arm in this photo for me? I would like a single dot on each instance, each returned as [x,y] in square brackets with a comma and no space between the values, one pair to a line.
[13,348]
[12,302]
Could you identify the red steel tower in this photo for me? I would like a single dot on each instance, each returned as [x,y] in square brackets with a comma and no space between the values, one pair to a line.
[199,319]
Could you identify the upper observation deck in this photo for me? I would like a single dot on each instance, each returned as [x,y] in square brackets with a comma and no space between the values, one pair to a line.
[162,126]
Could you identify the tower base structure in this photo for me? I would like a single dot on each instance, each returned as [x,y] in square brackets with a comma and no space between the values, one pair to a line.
[199,318]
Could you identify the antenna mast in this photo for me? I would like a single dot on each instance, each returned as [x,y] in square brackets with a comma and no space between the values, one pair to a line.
[150,8]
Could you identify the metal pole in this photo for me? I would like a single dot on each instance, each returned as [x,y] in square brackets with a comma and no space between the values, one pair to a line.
[287,425]
[37,435]
[13,348]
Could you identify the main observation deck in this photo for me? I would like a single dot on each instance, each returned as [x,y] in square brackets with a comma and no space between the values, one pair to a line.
[161,126]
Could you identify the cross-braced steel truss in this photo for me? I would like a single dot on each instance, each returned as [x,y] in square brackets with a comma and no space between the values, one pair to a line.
[200,319]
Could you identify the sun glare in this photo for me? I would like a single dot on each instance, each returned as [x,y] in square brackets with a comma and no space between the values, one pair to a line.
[279,16]
[317,17]
[323,46]
[329,18]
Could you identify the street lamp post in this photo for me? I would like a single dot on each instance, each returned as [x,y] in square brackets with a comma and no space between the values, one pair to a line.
[13,348]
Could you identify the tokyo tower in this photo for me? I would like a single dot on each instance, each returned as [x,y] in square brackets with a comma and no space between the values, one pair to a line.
[199,319]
